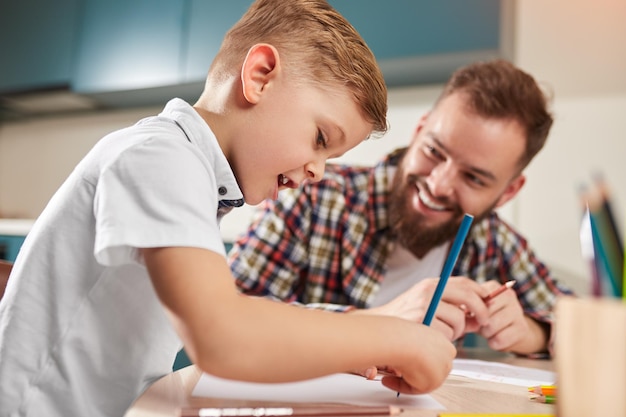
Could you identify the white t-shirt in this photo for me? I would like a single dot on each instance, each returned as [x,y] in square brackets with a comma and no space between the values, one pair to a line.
[82,332]
[405,270]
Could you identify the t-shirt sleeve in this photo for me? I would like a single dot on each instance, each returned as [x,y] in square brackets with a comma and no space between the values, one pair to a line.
[159,193]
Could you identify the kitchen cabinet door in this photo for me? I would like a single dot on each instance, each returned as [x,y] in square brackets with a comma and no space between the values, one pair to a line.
[415,41]
[130,44]
[424,41]
[38,43]
[208,23]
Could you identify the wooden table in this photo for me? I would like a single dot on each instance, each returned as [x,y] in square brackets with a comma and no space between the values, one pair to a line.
[457,394]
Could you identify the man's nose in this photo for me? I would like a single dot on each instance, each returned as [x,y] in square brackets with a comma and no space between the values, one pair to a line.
[441,180]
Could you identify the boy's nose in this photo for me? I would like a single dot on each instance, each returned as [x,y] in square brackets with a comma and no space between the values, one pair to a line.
[314,171]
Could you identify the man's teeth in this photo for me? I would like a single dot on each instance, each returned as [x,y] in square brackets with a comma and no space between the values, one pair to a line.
[430,203]
[283,179]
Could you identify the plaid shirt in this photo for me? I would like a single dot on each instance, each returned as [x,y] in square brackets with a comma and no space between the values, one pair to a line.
[326,245]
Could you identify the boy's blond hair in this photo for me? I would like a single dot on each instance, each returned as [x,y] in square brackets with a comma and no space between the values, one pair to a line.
[316,45]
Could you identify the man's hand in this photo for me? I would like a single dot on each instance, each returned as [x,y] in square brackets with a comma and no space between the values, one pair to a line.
[508,328]
[461,295]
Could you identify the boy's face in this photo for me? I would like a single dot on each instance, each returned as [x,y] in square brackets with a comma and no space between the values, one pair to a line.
[292,132]
[457,163]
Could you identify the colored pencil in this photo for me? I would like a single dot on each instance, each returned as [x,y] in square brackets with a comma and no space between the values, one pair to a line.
[300,410]
[500,290]
[447,266]
[490,296]
[546,399]
[543,389]
[607,242]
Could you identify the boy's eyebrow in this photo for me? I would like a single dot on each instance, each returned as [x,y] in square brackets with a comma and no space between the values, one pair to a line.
[338,138]
[478,171]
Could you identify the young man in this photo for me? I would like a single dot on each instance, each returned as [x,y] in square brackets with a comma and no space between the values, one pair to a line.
[126,262]
[376,238]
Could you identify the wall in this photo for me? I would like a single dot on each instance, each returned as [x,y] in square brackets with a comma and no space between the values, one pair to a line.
[577,47]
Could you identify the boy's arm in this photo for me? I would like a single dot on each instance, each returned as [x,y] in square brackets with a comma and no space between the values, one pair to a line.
[231,335]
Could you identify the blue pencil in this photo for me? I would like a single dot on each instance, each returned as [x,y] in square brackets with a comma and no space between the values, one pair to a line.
[447,266]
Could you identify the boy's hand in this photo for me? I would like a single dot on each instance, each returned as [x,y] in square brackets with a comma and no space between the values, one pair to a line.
[373,371]
[428,365]
[428,369]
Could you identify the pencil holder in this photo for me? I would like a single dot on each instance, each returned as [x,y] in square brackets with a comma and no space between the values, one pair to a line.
[590,357]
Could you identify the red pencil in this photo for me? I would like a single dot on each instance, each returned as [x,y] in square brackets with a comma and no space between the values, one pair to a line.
[490,296]
[500,290]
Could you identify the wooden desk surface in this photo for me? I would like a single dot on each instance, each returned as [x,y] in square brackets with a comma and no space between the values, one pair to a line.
[457,394]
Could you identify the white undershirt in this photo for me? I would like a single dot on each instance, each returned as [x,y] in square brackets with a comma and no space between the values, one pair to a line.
[405,270]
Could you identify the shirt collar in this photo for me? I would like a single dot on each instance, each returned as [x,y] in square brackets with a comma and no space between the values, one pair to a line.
[201,136]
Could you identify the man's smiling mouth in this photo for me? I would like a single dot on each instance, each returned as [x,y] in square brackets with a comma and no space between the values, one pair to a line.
[427,201]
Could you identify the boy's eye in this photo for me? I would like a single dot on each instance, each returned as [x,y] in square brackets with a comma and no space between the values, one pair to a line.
[321,140]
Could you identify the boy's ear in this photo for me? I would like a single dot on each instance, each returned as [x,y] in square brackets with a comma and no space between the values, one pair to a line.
[259,67]
[512,189]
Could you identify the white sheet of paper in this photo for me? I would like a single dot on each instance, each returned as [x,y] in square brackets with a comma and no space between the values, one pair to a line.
[502,372]
[337,388]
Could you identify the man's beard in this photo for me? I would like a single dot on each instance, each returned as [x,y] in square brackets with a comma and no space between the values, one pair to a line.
[410,228]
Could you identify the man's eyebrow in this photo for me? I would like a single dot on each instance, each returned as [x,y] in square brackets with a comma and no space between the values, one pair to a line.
[475,170]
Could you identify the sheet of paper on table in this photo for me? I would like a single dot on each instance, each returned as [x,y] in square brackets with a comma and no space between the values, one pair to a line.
[502,372]
[337,388]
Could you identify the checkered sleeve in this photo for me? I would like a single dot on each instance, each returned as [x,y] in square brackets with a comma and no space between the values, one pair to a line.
[274,258]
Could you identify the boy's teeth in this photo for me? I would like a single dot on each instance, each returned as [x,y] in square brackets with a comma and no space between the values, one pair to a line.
[283,179]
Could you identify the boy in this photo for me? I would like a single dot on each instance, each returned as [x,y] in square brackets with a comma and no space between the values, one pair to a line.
[126,261]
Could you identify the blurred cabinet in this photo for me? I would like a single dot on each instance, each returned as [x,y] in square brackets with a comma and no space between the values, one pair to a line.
[414,41]
[12,235]
[37,40]
[103,46]
[208,23]
[130,44]
[9,246]
[424,41]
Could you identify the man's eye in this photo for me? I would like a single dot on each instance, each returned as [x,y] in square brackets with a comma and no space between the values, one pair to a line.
[321,140]
[431,150]
[475,180]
